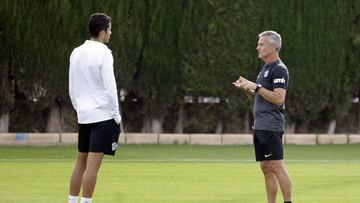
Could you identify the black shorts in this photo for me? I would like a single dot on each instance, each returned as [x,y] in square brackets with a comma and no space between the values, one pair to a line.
[268,145]
[99,137]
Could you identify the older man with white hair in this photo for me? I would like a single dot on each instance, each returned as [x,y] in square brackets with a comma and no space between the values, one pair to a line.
[269,93]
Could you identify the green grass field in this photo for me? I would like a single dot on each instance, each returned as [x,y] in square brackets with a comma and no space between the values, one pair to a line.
[181,173]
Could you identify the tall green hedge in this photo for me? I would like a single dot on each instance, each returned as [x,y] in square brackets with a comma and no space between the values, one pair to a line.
[166,50]
[316,48]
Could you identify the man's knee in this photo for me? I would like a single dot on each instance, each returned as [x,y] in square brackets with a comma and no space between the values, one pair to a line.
[277,166]
[94,161]
[81,160]
[266,167]
[271,166]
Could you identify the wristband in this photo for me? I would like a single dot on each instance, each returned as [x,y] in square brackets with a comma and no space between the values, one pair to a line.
[258,86]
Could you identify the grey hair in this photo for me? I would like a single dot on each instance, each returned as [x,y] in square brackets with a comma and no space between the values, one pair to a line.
[273,38]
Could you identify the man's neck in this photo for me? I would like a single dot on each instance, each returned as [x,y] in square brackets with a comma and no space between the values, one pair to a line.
[271,58]
[96,39]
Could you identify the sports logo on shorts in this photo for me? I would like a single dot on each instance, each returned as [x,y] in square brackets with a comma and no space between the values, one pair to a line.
[267,155]
[114,146]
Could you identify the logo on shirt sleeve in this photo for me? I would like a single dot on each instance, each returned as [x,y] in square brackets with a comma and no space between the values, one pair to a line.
[279,80]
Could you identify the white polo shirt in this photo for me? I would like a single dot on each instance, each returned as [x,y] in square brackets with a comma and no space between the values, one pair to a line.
[92,85]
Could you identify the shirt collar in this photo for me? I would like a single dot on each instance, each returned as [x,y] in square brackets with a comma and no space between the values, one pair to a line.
[272,63]
[95,42]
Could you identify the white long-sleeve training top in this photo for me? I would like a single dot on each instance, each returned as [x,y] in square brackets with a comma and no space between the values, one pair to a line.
[92,85]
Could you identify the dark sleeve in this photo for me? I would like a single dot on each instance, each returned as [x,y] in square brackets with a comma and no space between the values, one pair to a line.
[280,77]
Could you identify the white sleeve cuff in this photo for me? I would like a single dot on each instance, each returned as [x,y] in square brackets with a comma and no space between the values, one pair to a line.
[117,119]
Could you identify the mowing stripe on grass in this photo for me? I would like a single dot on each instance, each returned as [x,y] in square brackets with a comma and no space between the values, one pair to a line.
[179,160]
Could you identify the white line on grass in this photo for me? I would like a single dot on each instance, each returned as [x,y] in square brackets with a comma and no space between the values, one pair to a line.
[178,160]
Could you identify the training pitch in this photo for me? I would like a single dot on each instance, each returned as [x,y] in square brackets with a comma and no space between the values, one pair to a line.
[181,173]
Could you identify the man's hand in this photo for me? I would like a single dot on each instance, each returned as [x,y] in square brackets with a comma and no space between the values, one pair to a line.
[277,96]
[245,84]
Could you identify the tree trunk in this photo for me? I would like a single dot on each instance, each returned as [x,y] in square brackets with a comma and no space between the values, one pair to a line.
[246,121]
[152,125]
[4,123]
[358,118]
[179,128]
[301,127]
[219,128]
[156,126]
[146,125]
[290,128]
[54,120]
[332,127]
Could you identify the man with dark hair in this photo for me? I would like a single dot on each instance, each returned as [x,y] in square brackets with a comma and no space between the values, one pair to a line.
[269,93]
[93,93]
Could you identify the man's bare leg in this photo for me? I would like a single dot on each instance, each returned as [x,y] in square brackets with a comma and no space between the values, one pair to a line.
[271,182]
[90,174]
[283,178]
[77,175]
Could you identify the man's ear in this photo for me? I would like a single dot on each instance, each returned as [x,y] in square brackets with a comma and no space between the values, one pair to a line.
[102,34]
[274,47]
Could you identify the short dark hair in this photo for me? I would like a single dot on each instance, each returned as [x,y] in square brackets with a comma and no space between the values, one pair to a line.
[97,23]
